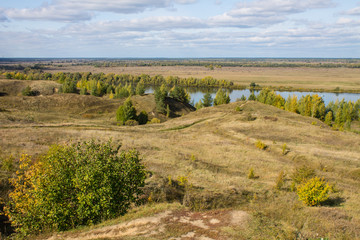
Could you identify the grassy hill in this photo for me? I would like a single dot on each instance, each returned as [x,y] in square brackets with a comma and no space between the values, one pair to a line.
[201,161]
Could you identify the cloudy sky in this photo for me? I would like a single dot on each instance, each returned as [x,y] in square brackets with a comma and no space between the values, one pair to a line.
[180,28]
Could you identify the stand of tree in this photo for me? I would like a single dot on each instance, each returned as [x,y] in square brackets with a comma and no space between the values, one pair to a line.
[338,114]
[99,83]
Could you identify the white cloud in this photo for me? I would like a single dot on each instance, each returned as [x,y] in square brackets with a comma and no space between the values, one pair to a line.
[49,13]
[161,23]
[354,11]
[267,12]
[79,10]
[3,18]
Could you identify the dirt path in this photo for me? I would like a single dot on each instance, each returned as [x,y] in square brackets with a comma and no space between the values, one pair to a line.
[175,225]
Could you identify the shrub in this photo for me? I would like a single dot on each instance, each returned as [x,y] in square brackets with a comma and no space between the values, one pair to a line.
[28,92]
[126,112]
[7,164]
[143,117]
[252,97]
[260,145]
[155,120]
[131,122]
[285,149]
[251,174]
[73,185]
[313,191]
[280,180]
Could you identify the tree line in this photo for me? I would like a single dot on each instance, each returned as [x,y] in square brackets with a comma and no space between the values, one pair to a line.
[338,114]
[114,80]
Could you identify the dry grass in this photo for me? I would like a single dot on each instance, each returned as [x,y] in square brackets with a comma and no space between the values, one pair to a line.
[297,78]
[215,151]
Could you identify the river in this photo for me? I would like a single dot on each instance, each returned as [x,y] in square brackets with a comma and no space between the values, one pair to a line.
[198,93]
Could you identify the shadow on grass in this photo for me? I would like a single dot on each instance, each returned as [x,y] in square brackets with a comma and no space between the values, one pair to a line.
[333,202]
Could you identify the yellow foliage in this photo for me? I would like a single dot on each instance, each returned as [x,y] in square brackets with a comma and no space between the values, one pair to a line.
[260,145]
[313,191]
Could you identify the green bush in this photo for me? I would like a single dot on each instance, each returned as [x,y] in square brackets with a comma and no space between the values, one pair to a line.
[280,180]
[143,117]
[28,91]
[251,174]
[285,149]
[314,191]
[260,145]
[126,112]
[73,185]
[155,120]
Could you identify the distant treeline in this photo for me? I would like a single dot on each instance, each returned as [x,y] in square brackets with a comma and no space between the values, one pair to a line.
[338,114]
[99,83]
[205,62]
[314,63]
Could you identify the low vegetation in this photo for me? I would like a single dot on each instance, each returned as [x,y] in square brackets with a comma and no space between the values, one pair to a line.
[74,185]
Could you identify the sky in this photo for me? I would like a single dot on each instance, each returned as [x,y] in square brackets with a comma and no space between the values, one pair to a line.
[180,28]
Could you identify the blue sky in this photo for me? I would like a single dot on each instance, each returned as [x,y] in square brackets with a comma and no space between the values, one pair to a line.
[180,28]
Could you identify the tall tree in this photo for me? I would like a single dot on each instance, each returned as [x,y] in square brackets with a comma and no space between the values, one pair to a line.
[207,100]
[222,97]
[126,112]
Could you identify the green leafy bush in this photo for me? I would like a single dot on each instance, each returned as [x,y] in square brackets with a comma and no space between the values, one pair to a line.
[73,185]
[314,191]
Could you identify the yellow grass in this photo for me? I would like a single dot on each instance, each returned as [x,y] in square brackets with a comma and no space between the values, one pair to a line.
[214,148]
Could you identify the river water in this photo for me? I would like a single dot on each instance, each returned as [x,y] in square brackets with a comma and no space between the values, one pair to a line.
[198,93]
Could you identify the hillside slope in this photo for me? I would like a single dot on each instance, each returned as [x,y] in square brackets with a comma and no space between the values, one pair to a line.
[212,151]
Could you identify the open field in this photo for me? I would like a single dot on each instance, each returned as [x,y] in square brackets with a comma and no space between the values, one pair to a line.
[214,149]
[297,78]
